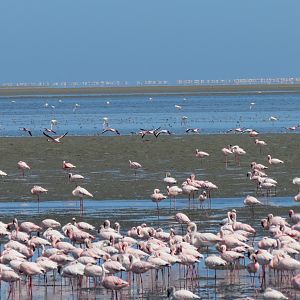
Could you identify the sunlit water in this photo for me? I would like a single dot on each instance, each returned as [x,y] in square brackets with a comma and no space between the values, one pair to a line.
[130,113]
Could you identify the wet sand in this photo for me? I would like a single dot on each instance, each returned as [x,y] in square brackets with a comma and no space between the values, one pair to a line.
[103,161]
[140,90]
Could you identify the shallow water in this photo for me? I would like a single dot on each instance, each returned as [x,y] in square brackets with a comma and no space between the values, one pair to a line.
[213,114]
[227,285]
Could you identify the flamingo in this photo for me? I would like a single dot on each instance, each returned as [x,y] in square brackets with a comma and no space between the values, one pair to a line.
[75,177]
[295,218]
[274,161]
[251,201]
[113,283]
[38,190]
[67,165]
[56,140]
[271,294]
[156,197]
[22,165]
[296,282]
[173,191]
[193,130]
[215,262]
[26,130]
[296,181]
[253,266]
[134,165]
[189,189]
[81,192]
[108,129]
[50,223]
[260,143]
[163,131]
[226,151]
[169,180]
[172,294]
[3,174]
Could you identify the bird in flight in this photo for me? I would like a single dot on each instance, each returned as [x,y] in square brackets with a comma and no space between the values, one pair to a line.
[163,131]
[26,130]
[111,130]
[49,130]
[193,130]
[55,139]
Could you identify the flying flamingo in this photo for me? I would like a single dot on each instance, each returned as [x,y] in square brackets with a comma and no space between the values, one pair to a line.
[81,192]
[156,197]
[134,165]
[56,140]
[22,165]
[108,129]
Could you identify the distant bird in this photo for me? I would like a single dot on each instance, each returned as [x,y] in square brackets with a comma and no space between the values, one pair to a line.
[55,139]
[293,128]
[179,107]
[2,174]
[201,154]
[163,131]
[296,181]
[172,294]
[260,143]
[105,122]
[252,104]
[169,180]
[111,130]
[148,132]
[184,120]
[67,165]
[26,130]
[53,123]
[75,177]
[37,190]
[273,119]
[134,165]
[22,165]
[49,130]
[253,133]
[76,106]
[227,151]
[193,130]
[274,161]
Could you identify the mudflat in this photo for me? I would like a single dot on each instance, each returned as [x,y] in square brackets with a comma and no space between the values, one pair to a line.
[104,162]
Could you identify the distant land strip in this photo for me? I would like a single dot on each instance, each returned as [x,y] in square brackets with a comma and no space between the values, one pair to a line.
[149,90]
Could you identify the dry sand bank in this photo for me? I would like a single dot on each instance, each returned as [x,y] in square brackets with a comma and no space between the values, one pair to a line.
[139,90]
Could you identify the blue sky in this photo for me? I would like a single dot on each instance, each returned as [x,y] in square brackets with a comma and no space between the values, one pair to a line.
[63,40]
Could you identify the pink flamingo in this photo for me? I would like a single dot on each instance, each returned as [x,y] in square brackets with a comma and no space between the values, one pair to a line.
[67,165]
[113,283]
[173,191]
[156,197]
[37,190]
[134,165]
[22,165]
[227,151]
[81,192]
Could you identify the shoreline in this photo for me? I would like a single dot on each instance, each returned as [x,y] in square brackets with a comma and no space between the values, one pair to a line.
[149,90]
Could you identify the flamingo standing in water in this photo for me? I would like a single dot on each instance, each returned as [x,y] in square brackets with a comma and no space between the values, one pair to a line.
[37,190]
[173,191]
[67,165]
[22,165]
[156,197]
[81,192]
[226,151]
[134,165]
[260,143]
[274,161]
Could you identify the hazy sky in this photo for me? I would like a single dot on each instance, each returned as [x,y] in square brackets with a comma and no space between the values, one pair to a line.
[64,40]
